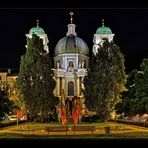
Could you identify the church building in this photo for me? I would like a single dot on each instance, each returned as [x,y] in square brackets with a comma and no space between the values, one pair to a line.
[71,60]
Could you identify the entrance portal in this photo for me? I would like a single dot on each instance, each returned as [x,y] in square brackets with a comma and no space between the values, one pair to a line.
[68,105]
[70,88]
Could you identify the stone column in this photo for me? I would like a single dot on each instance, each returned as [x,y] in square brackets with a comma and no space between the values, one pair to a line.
[82,85]
[78,86]
[75,85]
[63,83]
[58,86]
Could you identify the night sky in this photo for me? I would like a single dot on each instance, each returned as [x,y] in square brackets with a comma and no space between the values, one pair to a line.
[130,27]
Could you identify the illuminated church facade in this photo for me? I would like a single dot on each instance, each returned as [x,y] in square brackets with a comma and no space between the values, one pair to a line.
[71,58]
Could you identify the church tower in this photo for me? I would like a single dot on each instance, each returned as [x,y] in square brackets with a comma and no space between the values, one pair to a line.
[41,33]
[101,33]
[71,57]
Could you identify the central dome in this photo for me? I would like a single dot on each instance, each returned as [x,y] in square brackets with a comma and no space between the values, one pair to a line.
[71,44]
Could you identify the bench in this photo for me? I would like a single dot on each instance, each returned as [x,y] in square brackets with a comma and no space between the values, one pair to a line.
[56,129]
[83,128]
[120,128]
[27,129]
[74,129]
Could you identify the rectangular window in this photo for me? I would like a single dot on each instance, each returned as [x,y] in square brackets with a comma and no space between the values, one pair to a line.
[70,88]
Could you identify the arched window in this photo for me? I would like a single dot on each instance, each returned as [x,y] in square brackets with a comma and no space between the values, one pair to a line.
[70,88]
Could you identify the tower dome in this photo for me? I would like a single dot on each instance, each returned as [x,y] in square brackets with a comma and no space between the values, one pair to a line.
[103,29]
[71,43]
[102,33]
[37,30]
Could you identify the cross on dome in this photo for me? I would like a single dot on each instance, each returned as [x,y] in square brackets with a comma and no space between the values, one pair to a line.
[37,21]
[103,22]
[71,19]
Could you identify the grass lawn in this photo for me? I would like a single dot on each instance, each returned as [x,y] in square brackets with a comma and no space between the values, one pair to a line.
[129,132]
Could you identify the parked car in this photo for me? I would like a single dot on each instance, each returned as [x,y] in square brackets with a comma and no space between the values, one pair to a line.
[12,117]
[2,118]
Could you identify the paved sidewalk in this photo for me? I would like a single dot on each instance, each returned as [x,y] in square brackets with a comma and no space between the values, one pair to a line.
[15,131]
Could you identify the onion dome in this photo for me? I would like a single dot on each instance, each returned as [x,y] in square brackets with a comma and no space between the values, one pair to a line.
[103,29]
[37,30]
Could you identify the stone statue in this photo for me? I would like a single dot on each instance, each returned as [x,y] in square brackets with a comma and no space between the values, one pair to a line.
[79,64]
[70,67]
[58,64]
[83,64]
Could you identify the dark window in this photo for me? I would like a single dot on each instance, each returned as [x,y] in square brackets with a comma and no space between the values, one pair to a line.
[70,88]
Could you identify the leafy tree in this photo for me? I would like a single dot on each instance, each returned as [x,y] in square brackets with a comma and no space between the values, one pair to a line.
[19,103]
[125,105]
[35,80]
[141,85]
[135,99]
[105,79]
[6,104]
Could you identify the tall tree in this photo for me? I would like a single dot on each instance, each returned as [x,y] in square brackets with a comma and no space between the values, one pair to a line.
[127,100]
[6,105]
[135,99]
[35,80]
[105,79]
[141,85]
